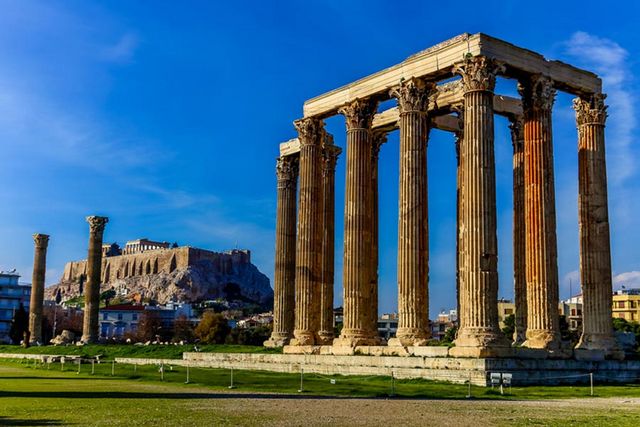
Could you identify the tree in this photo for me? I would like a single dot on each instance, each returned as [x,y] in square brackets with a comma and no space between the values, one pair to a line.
[450,334]
[509,326]
[149,326]
[182,329]
[212,329]
[19,325]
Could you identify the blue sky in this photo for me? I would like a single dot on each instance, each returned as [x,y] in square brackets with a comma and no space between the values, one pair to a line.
[167,119]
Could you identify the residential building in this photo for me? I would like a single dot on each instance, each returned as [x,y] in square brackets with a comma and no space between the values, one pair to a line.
[626,304]
[12,294]
[505,308]
[445,321]
[388,325]
[118,320]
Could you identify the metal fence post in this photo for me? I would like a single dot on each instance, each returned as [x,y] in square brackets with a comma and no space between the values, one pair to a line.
[232,386]
[591,381]
[301,380]
[113,368]
[393,385]
[187,382]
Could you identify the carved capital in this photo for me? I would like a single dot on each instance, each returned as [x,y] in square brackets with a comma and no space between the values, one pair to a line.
[478,73]
[97,223]
[310,131]
[41,240]
[379,138]
[287,169]
[591,111]
[516,125]
[359,113]
[329,159]
[413,95]
[537,93]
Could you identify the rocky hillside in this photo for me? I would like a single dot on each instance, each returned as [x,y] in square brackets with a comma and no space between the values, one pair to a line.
[195,283]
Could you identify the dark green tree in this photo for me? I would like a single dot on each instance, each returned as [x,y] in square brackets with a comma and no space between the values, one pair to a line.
[212,329]
[19,325]
[509,326]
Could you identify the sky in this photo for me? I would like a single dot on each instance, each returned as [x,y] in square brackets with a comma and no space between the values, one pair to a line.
[166,117]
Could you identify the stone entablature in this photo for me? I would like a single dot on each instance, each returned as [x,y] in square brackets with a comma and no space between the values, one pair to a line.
[143,245]
[156,261]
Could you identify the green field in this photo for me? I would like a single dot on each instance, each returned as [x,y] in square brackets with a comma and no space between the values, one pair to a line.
[35,394]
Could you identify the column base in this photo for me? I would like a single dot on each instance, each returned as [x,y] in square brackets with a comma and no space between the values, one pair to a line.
[542,338]
[303,338]
[325,338]
[356,337]
[481,342]
[409,337]
[590,344]
[277,340]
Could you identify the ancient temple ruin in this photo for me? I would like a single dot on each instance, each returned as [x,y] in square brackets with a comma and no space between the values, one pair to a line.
[427,97]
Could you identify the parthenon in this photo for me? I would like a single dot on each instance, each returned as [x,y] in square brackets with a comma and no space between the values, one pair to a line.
[449,87]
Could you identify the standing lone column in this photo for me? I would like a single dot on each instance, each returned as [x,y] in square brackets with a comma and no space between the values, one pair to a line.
[413,222]
[593,210]
[357,227]
[330,155]
[285,268]
[541,263]
[37,287]
[479,334]
[309,240]
[519,255]
[379,138]
[90,324]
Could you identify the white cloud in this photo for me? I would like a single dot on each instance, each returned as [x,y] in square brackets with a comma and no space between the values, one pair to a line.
[123,50]
[629,279]
[609,60]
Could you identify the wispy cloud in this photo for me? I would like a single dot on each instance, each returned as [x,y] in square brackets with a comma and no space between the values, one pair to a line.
[629,279]
[610,61]
[123,50]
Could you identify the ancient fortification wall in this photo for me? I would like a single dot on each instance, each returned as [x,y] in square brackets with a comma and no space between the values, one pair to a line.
[157,261]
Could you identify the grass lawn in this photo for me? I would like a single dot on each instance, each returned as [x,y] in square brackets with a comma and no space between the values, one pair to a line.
[109,351]
[34,395]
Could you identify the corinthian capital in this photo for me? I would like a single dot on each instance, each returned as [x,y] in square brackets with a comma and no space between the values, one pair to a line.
[359,113]
[478,73]
[516,126]
[537,93]
[287,168]
[413,95]
[329,159]
[97,223]
[41,240]
[310,131]
[592,110]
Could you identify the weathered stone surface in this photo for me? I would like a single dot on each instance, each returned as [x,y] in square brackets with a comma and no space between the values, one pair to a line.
[37,287]
[66,337]
[90,325]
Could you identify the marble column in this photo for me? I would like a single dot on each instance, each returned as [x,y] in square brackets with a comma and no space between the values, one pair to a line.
[519,277]
[541,263]
[309,240]
[413,222]
[479,334]
[330,155]
[41,242]
[593,212]
[379,138]
[90,324]
[285,266]
[358,222]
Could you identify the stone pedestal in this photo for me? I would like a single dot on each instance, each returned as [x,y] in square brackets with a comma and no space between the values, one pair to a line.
[329,157]
[479,332]
[91,324]
[595,249]
[357,328]
[285,266]
[41,242]
[519,254]
[413,222]
[540,245]
[309,242]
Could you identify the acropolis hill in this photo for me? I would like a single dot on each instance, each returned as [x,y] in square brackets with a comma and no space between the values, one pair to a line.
[158,271]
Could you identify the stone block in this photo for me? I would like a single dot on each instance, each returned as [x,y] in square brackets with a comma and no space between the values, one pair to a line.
[481,352]
[429,351]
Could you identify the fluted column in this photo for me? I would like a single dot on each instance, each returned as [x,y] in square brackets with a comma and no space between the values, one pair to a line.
[379,138]
[541,263]
[413,223]
[459,244]
[309,240]
[37,287]
[479,334]
[330,155]
[357,275]
[593,212]
[285,268]
[519,277]
[90,324]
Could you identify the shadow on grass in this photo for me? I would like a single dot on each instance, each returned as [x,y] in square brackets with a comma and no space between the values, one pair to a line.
[6,421]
